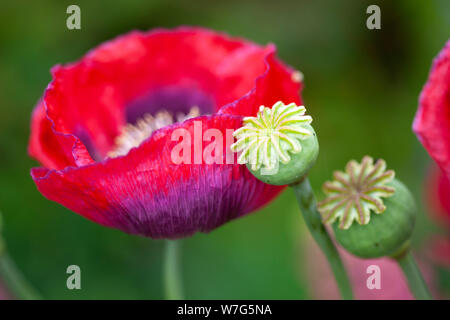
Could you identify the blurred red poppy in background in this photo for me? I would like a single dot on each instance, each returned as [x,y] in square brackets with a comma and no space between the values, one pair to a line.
[438,196]
[432,121]
[438,246]
[102,130]
[432,126]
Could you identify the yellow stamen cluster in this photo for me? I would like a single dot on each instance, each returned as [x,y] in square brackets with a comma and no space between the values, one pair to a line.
[133,135]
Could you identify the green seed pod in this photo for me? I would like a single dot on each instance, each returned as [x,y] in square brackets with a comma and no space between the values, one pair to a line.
[279,146]
[358,191]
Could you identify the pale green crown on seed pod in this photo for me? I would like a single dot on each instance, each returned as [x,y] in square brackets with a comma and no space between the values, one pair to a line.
[272,135]
[354,193]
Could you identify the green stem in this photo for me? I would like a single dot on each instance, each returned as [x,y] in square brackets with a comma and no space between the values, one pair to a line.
[172,272]
[13,278]
[307,204]
[414,276]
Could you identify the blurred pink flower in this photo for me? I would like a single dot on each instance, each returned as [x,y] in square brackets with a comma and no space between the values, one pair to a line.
[437,193]
[323,285]
[439,251]
[4,293]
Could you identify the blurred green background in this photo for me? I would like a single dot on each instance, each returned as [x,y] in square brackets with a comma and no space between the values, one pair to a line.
[361,86]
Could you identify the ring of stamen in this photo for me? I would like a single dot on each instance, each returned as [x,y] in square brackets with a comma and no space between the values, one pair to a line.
[132,136]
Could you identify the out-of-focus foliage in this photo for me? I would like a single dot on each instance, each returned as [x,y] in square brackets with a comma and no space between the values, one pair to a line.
[361,87]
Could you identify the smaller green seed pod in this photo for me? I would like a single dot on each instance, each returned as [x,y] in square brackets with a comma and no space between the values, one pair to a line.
[358,191]
[388,233]
[279,145]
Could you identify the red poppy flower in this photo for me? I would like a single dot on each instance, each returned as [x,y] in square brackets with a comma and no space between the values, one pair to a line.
[432,121]
[103,130]
[432,126]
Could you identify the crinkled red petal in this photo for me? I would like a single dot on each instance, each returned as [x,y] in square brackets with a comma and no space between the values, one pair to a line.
[146,193]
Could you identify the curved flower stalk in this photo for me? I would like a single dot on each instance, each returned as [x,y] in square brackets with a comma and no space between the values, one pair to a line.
[279,146]
[172,273]
[352,197]
[10,274]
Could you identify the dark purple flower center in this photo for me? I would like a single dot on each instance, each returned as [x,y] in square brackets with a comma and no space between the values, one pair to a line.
[172,99]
